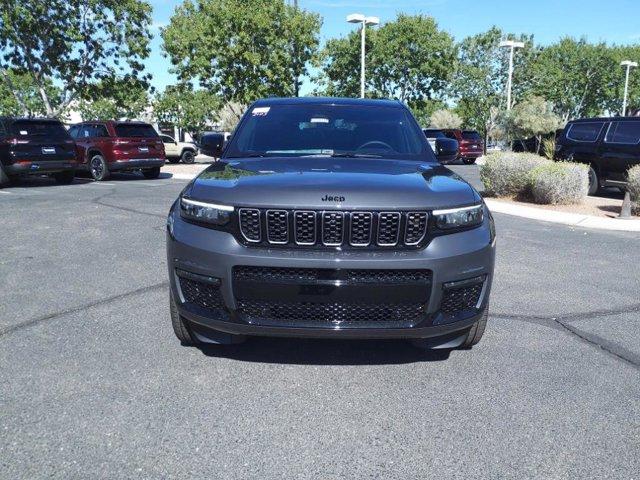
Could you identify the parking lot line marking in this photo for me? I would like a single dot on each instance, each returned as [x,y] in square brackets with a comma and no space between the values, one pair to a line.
[6,193]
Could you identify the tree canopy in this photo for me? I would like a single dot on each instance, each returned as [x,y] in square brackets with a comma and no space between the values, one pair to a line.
[186,108]
[242,50]
[73,43]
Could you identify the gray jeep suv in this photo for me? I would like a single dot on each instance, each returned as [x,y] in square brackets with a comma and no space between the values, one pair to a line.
[330,218]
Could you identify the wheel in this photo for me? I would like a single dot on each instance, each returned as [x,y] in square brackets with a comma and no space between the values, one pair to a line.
[188,157]
[180,325]
[476,331]
[594,182]
[469,161]
[98,168]
[173,160]
[64,178]
[151,173]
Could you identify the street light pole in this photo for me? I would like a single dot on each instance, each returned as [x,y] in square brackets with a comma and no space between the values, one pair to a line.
[628,64]
[364,21]
[512,46]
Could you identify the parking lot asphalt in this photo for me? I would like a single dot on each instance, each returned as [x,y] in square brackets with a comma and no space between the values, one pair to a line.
[93,383]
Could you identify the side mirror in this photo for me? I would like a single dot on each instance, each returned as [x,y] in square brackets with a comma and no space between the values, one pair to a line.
[446,149]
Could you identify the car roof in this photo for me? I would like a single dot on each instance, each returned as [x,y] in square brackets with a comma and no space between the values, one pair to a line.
[113,122]
[327,101]
[604,119]
[28,119]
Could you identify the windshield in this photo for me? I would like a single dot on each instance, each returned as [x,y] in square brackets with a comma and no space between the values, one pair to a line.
[470,135]
[430,133]
[135,130]
[330,130]
[44,129]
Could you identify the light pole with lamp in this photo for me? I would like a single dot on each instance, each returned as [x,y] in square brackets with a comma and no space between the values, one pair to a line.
[512,45]
[629,64]
[364,21]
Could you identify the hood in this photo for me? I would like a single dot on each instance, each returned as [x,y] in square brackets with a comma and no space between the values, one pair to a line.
[326,182]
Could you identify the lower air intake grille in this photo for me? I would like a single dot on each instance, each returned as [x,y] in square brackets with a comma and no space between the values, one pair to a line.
[457,299]
[204,295]
[309,313]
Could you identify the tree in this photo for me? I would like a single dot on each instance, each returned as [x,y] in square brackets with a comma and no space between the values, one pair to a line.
[230,115]
[574,75]
[242,50]
[445,119]
[73,43]
[532,117]
[115,98]
[408,59]
[339,65]
[19,96]
[412,60]
[188,109]
[615,88]
[480,80]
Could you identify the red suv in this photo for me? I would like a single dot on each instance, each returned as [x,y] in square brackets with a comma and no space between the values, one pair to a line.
[471,145]
[118,147]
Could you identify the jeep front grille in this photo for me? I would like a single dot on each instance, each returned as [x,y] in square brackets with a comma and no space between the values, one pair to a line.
[335,228]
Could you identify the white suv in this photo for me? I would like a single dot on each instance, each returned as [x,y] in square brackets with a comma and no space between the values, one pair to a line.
[176,151]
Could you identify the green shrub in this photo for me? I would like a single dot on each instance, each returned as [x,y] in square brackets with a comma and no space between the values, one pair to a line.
[507,173]
[634,188]
[559,183]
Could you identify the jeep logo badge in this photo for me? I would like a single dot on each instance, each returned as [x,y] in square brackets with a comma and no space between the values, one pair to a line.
[331,198]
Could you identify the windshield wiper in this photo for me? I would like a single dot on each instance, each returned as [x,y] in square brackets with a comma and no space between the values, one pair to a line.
[356,155]
[250,155]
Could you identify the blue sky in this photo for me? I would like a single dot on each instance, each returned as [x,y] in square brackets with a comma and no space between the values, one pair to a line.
[613,21]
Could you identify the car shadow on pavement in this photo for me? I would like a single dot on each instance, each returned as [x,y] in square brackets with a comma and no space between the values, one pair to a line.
[324,352]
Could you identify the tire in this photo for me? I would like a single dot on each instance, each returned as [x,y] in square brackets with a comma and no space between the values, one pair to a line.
[64,178]
[151,173]
[98,168]
[477,330]
[469,161]
[594,182]
[180,325]
[173,160]
[188,156]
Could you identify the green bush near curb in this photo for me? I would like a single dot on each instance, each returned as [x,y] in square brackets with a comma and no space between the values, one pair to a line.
[508,173]
[559,183]
[634,188]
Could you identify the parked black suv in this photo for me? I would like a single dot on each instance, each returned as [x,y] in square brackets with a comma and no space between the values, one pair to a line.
[610,146]
[330,217]
[30,146]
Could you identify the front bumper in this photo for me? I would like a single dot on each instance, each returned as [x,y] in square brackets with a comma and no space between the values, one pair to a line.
[40,167]
[214,254]
[136,164]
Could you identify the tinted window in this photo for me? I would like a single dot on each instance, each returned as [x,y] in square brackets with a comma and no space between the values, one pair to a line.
[35,128]
[624,132]
[100,131]
[73,131]
[135,130]
[584,132]
[432,133]
[312,129]
[166,138]
[451,135]
[470,135]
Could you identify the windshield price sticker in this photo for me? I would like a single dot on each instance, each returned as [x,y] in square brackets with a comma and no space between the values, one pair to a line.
[260,111]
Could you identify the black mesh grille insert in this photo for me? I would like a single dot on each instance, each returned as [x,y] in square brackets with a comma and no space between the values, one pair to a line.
[204,295]
[250,224]
[457,299]
[305,227]
[361,223]
[308,313]
[271,274]
[277,226]
[388,228]
[332,228]
[416,227]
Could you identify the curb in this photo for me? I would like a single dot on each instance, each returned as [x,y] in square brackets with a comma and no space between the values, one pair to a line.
[183,176]
[553,216]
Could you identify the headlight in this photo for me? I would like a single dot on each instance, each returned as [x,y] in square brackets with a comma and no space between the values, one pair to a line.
[205,212]
[458,217]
